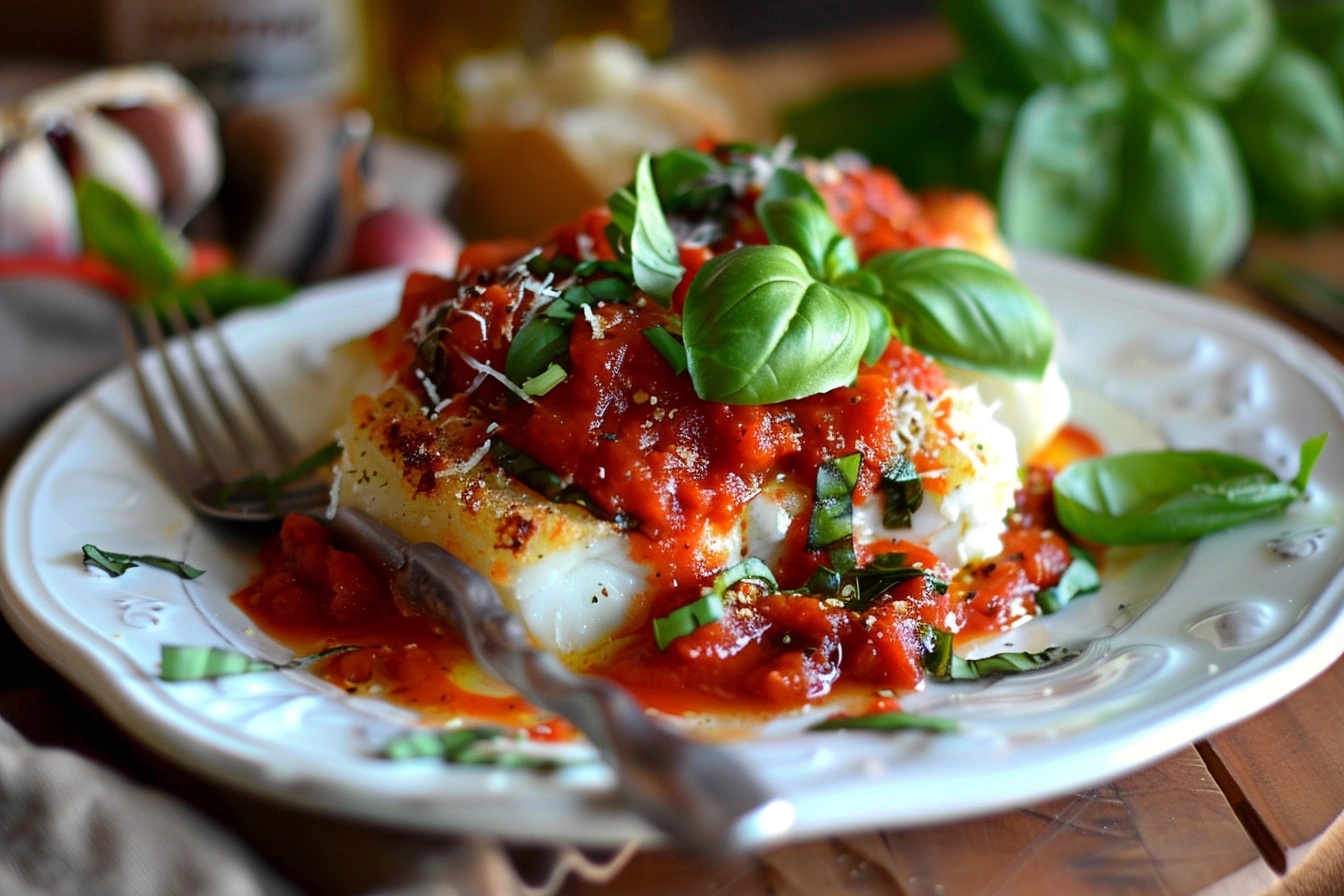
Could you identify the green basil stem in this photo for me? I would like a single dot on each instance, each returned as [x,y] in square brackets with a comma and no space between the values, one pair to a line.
[668,346]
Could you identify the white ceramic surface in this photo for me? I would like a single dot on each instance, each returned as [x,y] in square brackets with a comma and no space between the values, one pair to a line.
[1178,644]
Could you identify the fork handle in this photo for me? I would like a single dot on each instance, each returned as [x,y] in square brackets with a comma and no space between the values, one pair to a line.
[700,795]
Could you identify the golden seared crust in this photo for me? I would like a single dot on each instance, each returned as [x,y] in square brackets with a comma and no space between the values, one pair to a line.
[432,480]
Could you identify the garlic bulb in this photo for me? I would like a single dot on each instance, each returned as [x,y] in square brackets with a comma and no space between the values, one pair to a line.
[144,130]
[37,203]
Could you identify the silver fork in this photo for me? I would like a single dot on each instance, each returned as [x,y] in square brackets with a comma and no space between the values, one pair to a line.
[701,796]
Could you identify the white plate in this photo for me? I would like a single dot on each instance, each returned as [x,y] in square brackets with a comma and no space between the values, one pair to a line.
[1181,643]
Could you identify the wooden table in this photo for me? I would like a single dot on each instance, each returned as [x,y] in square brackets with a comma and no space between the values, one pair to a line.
[1223,817]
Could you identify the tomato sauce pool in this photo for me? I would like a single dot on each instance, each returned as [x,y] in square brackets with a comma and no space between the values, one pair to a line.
[787,651]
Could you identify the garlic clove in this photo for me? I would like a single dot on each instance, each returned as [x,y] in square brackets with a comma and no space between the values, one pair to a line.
[37,203]
[181,140]
[107,152]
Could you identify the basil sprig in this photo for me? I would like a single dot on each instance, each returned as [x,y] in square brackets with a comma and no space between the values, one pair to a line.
[764,324]
[1119,129]
[155,258]
[1167,496]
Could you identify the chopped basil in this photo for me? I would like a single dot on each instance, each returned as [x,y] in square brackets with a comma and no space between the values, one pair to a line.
[550,484]
[116,564]
[685,620]
[941,661]
[881,574]
[886,721]
[751,568]
[902,493]
[180,663]
[268,488]
[541,342]
[545,381]
[832,523]
[195,663]
[1080,578]
[669,347]
[478,745]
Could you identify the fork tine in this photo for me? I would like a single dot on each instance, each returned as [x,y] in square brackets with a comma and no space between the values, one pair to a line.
[170,448]
[282,445]
[208,443]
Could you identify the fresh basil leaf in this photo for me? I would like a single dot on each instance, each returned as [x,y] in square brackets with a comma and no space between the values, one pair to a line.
[785,183]
[759,328]
[879,325]
[1061,176]
[1167,496]
[230,290]
[1212,47]
[1187,208]
[800,225]
[550,484]
[1318,25]
[122,234]
[808,230]
[679,171]
[1289,123]
[886,721]
[654,257]
[965,309]
[878,121]
[793,214]
[1024,45]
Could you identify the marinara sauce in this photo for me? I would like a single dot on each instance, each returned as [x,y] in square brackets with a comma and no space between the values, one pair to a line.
[626,428]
